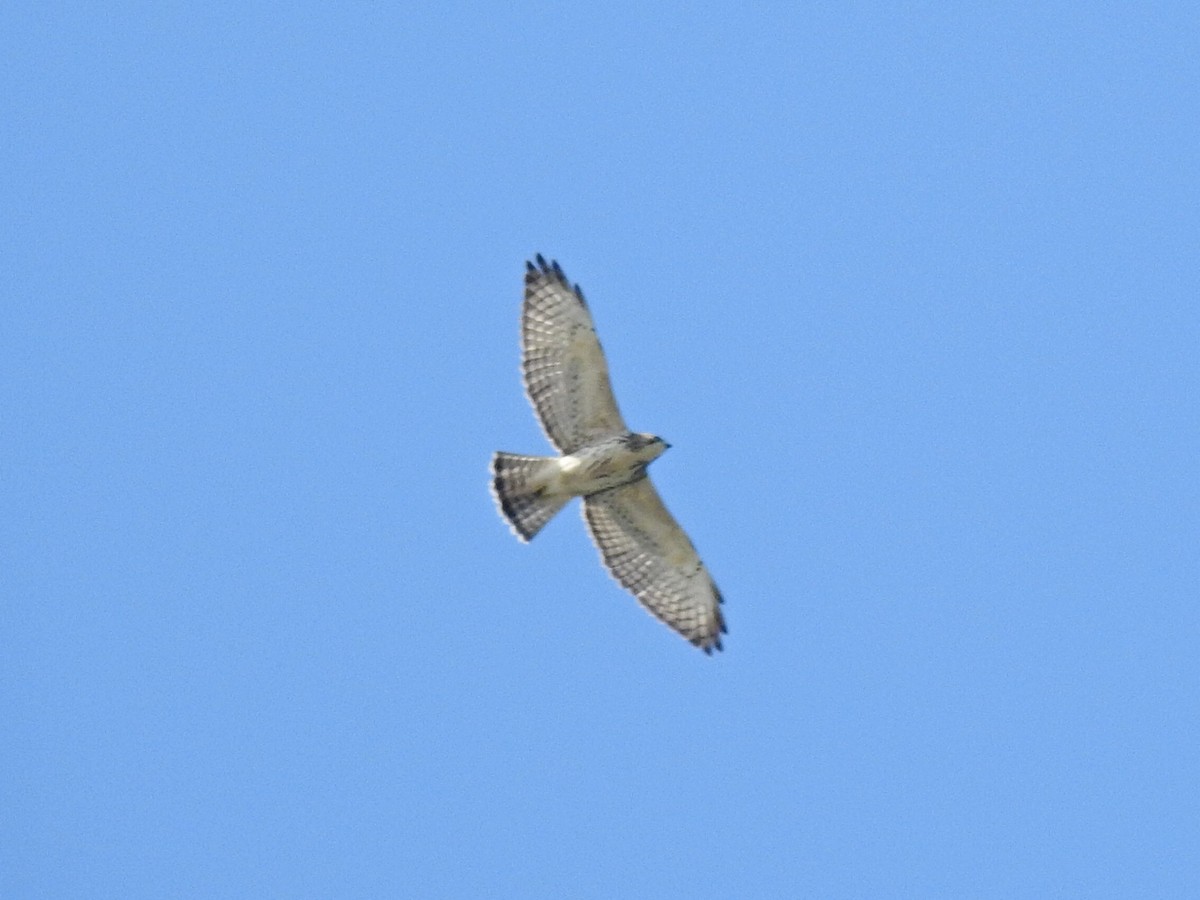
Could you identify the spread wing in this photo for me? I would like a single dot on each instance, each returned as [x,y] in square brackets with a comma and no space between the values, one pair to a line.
[566,376]
[644,549]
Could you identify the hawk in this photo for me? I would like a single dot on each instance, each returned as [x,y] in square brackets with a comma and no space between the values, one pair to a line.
[602,461]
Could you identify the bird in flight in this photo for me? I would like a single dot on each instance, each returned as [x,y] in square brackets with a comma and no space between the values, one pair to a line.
[602,461]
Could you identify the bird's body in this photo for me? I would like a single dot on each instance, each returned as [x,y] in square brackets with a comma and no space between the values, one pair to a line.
[566,378]
[609,463]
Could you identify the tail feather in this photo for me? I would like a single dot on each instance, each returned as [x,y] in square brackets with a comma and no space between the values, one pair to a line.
[519,486]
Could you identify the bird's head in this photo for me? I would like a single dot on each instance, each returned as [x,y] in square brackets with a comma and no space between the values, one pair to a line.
[647,446]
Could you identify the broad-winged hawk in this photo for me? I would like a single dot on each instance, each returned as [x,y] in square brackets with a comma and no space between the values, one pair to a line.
[602,461]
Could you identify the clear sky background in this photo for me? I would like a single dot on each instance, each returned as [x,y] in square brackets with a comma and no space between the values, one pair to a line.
[912,290]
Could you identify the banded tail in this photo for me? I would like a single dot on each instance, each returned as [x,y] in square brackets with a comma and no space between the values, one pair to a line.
[520,485]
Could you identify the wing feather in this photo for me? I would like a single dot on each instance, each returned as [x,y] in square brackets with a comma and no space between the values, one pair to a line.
[647,552]
[566,376]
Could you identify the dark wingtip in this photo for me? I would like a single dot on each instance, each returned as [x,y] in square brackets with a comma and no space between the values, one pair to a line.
[541,268]
[709,643]
[553,270]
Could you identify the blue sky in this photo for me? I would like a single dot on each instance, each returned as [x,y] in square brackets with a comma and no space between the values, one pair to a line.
[911,289]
